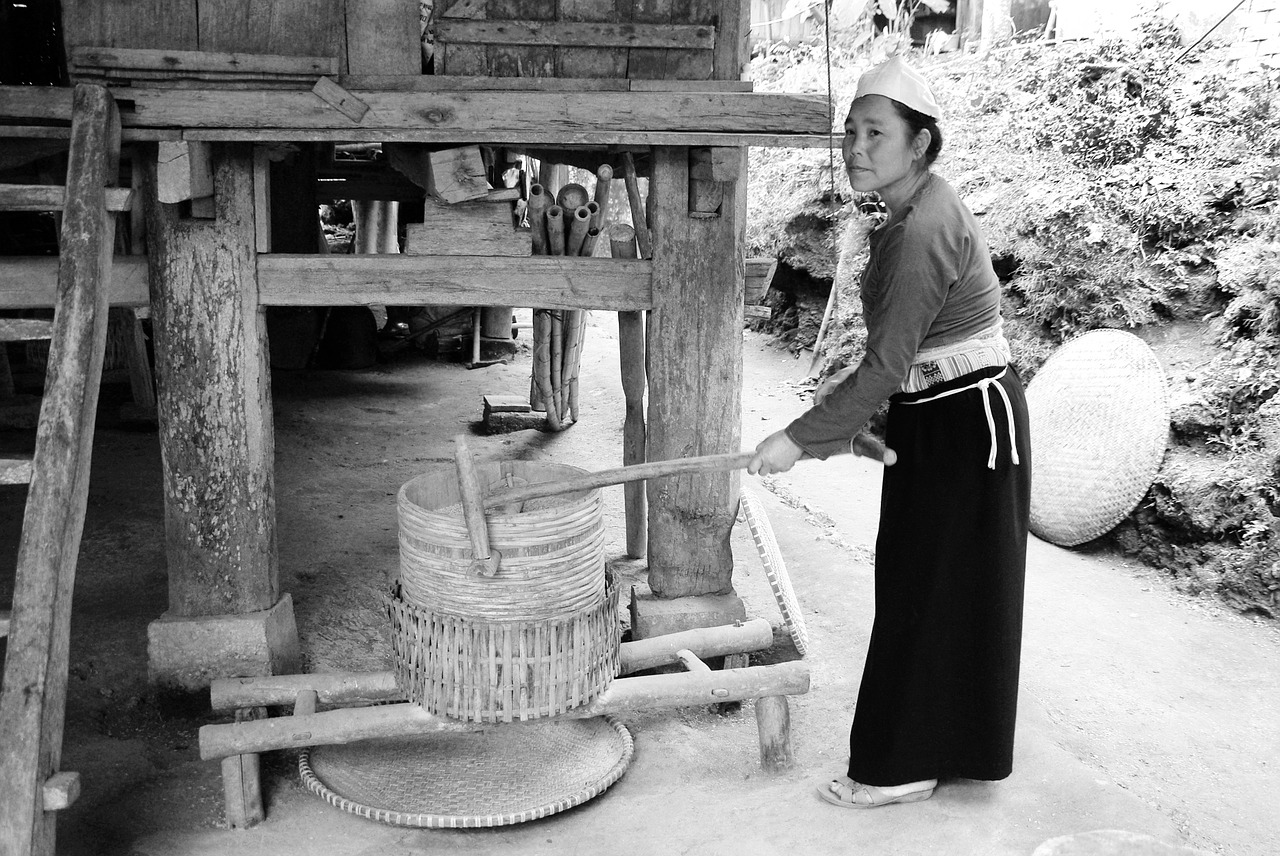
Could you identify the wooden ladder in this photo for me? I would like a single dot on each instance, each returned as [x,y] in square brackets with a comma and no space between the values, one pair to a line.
[34,689]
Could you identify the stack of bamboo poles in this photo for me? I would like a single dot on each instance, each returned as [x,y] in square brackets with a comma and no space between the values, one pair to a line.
[558,334]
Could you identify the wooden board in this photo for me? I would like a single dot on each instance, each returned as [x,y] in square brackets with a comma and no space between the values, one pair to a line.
[466,229]
[50,197]
[522,60]
[562,114]
[554,282]
[283,27]
[30,282]
[576,34]
[220,62]
[130,23]
[382,37]
[593,63]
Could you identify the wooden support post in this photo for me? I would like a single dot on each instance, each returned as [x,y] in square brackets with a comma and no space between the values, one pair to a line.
[694,363]
[773,721]
[622,244]
[33,692]
[214,399]
[242,780]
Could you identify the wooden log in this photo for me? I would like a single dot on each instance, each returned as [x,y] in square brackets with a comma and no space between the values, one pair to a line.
[623,695]
[33,699]
[692,661]
[694,393]
[457,174]
[539,202]
[183,171]
[212,374]
[631,349]
[639,221]
[343,688]
[773,722]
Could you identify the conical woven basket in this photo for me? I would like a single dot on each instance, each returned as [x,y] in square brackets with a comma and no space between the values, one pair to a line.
[1099,426]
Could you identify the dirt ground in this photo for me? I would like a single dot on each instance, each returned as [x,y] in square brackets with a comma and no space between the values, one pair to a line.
[1141,709]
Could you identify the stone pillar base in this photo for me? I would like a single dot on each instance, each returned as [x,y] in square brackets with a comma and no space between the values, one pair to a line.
[188,653]
[652,616]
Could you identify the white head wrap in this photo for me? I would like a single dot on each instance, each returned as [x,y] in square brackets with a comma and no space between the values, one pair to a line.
[894,79]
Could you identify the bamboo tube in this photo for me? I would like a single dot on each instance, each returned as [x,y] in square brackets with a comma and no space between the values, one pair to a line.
[572,350]
[542,364]
[557,361]
[589,244]
[578,230]
[631,347]
[577,363]
[604,177]
[555,230]
[539,202]
[638,219]
[550,176]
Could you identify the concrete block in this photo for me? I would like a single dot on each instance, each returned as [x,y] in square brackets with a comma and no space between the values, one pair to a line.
[189,652]
[652,616]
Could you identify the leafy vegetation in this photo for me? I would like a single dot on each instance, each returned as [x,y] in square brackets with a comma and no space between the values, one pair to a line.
[1120,184]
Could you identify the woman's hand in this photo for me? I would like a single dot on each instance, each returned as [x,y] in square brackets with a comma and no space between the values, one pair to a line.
[777,453]
[828,386]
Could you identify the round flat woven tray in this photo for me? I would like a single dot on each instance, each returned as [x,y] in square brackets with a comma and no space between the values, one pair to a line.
[503,775]
[775,569]
[1099,424]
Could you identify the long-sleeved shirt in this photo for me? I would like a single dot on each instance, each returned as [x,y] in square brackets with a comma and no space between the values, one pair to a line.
[928,283]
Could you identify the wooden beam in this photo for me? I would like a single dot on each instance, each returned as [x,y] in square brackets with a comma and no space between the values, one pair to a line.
[585,136]
[15,471]
[61,790]
[545,281]
[755,634]
[52,197]
[314,280]
[482,112]
[623,695]
[200,61]
[582,34]
[31,282]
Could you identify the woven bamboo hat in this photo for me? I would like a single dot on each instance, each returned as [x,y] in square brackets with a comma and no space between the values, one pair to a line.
[1099,425]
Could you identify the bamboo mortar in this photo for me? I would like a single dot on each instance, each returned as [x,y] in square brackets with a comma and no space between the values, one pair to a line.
[539,202]
[571,197]
[604,177]
[638,219]
[542,364]
[555,230]
[578,230]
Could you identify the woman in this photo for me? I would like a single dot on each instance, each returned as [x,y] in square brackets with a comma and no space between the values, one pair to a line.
[940,685]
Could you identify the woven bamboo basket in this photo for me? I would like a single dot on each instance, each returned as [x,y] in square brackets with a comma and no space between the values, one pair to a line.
[500,671]
[552,549]
[540,636]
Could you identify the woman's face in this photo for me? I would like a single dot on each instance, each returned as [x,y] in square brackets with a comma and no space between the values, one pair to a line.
[879,151]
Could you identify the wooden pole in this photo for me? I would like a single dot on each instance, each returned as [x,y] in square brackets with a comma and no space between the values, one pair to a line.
[724,640]
[631,356]
[213,398]
[33,693]
[542,365]
[694,391]
[773,722]
[638,219]
[623,695]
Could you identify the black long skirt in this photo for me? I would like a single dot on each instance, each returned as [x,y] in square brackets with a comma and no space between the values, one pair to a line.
[939,691]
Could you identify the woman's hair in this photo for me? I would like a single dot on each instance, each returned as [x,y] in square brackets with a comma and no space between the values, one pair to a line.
[918,122]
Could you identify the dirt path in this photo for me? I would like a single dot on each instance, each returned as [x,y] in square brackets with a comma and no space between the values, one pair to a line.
[1142,709]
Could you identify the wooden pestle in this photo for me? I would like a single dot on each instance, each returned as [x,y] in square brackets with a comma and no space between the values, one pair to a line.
[486,559]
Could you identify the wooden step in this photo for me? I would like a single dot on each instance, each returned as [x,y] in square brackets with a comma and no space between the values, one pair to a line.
[25,329]
[15,470]
[52,197]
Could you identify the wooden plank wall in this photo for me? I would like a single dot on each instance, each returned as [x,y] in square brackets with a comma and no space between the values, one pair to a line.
[365,36]
[594,39]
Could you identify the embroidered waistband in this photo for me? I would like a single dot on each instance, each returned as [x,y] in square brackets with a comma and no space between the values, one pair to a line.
[933,366]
